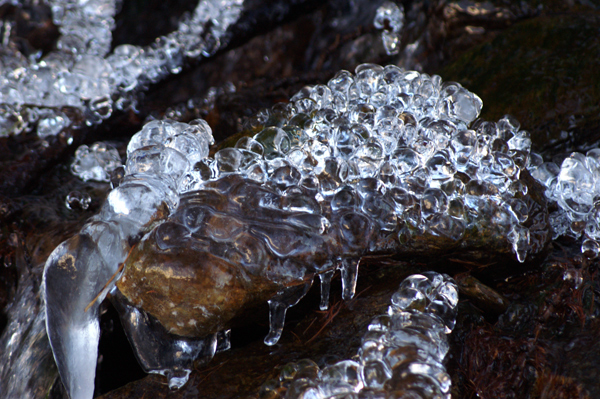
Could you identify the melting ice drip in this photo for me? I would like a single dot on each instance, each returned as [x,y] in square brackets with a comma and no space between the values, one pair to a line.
[365,164]
[82,75]
[402,353]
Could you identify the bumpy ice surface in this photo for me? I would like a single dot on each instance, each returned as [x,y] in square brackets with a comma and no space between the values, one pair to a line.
[369,163]
[401,353]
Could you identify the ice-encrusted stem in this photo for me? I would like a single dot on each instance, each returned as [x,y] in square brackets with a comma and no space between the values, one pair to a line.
[82,75]
[401,354]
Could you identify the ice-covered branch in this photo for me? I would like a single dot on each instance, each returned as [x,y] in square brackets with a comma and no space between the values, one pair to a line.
[81,74]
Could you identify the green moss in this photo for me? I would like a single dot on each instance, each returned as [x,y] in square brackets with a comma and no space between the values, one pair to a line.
[543,71]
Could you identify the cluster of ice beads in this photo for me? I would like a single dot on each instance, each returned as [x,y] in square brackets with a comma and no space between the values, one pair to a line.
[95,162]
[401,354]
[575,188]
[397,145]
[81,74]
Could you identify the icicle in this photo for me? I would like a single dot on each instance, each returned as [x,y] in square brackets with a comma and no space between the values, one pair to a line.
[75,272]
[278,307]
[325,279]
[349,268]
[277,311]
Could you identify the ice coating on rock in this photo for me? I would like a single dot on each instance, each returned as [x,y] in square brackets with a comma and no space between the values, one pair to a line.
[373,162]
[83,75]
[381,161]
[160,353]
[402,353]
[95,162]
[82,270]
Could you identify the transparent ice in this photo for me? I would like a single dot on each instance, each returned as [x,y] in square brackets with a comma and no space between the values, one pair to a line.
[370,163]
[403,349]
[78,200]
[389,18]
[82,73]
[82,270]
[575,187]
[95,162]
[27,369]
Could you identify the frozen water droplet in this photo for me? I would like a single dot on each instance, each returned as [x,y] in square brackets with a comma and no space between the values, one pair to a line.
[95,162]
[177,378]
[389,17]
[456,103]
[520,239]
[590,248]
[78,200]
[158,351]
[391,42]
[52,125]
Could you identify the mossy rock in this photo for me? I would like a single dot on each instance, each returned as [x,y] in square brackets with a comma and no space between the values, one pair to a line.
[544,71]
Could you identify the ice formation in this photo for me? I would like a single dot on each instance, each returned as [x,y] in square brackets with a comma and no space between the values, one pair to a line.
[575,188]
[378,162]
[78,269]
[26,367]
[82,75]
[95,162]
[389,17]
[401,354]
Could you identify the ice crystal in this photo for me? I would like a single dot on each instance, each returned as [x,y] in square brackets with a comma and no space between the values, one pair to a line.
[95,162]
[575,188]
